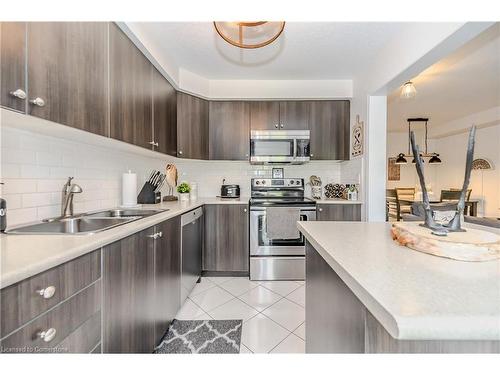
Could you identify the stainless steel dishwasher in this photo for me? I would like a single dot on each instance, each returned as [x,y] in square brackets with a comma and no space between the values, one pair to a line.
[191,243]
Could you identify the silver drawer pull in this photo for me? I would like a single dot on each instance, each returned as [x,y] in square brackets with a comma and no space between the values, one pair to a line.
[156,235]
[160,234]
[153,143]
[39,102]
[20,94]
[47,335]
[47,292]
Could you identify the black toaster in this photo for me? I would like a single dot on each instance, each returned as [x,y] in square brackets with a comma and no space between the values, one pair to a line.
[230,191]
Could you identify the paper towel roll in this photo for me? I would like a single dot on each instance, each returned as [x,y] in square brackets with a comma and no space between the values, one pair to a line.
[129,189]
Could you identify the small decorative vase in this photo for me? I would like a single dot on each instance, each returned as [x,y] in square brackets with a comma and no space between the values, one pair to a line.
[183,197]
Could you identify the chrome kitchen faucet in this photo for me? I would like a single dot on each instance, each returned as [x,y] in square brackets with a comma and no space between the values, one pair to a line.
[69,190]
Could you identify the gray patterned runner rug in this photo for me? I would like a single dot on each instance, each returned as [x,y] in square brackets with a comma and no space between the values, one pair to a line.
[201,336]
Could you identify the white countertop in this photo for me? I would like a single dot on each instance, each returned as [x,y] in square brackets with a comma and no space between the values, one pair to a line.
[22,256]
[337,201]
[415,296]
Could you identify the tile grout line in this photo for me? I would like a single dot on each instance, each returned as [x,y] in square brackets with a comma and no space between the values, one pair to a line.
[291,334]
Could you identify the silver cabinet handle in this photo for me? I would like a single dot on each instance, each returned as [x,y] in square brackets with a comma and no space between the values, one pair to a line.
[244,210]
[153,143]
[47,335]
[311,155]
[39,102]
[276,126]
[20,94]
[180,152]
[47,292]
[156,235]
[320,209]
[281,126]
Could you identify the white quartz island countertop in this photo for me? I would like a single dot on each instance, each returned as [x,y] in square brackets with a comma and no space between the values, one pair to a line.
[415,296]
[23,256]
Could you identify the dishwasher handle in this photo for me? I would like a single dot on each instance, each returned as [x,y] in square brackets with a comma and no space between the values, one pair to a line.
[191,216]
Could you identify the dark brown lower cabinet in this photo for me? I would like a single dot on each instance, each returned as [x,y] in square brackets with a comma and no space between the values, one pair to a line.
[167,274]
[226,238]
[129,298]
[339,212]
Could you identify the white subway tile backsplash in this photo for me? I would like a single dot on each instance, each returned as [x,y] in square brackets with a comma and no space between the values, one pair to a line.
[13,200]
[39,199]
[18,186]
[48,158]
[11,155]
[37,167]
[61,172]
[10,170]
[34,171]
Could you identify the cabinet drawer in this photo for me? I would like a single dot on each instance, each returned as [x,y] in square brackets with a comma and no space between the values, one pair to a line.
[83,339]
[64,319]
[22,302]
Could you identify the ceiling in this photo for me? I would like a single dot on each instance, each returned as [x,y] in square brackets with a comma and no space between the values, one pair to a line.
[464,83]
[305,50]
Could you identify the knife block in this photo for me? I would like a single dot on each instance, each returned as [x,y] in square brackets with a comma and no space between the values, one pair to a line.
[147,195]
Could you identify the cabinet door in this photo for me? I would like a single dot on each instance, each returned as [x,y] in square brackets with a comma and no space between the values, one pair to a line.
[339,212]
[128,304]
[294,115]
[192,127]
[68,70]
[164,115]
[130,91]
[167,275]
[264,115]
[12,65]
[226,238]
[330,130]
[229,124]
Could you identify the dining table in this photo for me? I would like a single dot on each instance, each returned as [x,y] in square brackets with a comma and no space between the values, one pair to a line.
[470,205]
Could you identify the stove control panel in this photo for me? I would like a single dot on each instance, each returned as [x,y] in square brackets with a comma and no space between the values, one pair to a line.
[277,183]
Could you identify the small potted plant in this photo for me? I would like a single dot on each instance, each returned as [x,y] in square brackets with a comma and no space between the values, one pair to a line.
[183,189]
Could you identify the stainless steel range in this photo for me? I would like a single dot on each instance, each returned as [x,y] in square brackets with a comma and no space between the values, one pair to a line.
[277,248]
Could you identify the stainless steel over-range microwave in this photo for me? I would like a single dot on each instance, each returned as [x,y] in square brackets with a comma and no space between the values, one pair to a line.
[279,146]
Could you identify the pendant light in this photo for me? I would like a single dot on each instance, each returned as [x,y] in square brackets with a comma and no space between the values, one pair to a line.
[408,90]
[249,35]
[401,159]
[434,157]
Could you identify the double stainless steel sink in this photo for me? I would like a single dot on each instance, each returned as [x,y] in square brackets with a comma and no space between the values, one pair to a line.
[86,223]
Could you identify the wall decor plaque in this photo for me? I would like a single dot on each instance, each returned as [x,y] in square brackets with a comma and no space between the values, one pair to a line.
[357,138]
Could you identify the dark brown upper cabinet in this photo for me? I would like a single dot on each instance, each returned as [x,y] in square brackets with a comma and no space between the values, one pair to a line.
[272,115]
[164,115]
[12,65]
[229,124]
[130,91]
[294,115]
[192,127]
[225,247]
[67,73]
[264,115]
[329,122]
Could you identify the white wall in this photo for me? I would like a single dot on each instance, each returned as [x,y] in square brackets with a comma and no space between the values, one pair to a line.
[34,168]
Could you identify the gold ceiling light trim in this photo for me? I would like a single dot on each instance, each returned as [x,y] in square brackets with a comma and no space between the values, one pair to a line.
[240,34]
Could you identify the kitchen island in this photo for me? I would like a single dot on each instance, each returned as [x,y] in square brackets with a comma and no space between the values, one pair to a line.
[367,294]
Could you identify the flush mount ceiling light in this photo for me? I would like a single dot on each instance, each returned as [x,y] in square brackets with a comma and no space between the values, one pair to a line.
[249,35]
[434,157]
[408,90]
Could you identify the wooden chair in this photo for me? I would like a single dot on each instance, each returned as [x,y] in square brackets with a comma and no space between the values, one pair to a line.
[454,195]
[407,194]
[391,204]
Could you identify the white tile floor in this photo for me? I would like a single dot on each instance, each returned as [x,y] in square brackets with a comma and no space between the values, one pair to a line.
[273,312]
